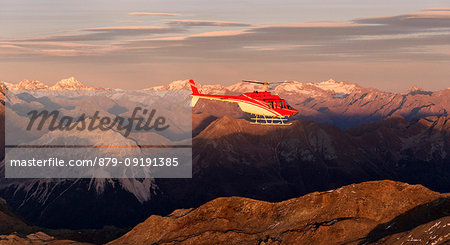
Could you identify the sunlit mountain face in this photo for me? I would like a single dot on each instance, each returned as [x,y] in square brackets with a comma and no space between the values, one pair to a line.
[379,212]
[352,134]
[364,161]
[342,104]
[385,46]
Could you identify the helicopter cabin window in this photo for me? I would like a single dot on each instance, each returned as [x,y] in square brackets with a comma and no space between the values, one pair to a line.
[282,105]
[272,104]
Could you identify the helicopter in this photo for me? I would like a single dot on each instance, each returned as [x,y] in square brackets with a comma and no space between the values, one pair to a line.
[268,109]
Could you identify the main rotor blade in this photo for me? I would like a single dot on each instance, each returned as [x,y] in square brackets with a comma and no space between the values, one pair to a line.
[281,82]
[257,82]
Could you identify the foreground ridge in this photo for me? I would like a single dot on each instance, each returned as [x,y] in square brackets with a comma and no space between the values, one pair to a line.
[359,213]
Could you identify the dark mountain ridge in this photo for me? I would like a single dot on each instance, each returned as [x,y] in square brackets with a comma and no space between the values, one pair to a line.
[232,157]
[377,212]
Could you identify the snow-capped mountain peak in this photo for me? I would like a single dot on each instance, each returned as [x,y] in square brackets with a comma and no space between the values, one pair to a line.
[175,85]
[31,85]
[179,84]
[244,87]
[291,86]
[184,85]
[68,84]
[415,88]
[337,87]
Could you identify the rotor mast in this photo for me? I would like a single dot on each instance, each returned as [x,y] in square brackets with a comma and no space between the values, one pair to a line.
[267,84]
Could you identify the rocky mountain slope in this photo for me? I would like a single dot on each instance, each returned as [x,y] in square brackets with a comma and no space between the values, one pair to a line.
[235,158]
[14,230]
[10,221]
[433,232]
[232,157]
[342,104]
[371,212]
[70,83]
[377,212]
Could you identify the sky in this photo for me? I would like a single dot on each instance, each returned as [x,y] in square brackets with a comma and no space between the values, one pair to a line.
[133,44]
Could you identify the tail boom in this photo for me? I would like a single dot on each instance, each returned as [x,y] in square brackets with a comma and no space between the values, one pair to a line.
[193,87]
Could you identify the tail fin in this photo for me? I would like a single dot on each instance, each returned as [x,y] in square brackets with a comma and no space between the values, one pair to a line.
[194,93]
[193,87]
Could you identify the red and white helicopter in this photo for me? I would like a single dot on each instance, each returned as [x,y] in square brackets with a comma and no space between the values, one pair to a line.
[267,108]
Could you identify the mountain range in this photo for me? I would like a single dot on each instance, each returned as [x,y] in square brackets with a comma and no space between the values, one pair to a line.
[70,83]
[375,212]
[342,104]
[232,157]
[343,134]
[15,230]
[369,213]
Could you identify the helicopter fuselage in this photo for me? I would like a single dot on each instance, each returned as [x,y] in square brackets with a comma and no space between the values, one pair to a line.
[257,103]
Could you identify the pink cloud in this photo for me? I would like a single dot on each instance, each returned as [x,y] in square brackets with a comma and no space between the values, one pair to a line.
[205,23]
[153,14]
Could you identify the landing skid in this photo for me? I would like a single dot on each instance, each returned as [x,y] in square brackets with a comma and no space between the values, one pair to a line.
[263,120]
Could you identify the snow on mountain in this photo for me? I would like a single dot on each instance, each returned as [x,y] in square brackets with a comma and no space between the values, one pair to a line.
[69,84]
[415,88]
[27,85]
[290,87]
[336,87]
[184,85]
[244,87]
[293,86]
[342,104]
[306,149]
[330,86]
[175,85]
[296,88]
[8,85]
[317,89]
[141,189]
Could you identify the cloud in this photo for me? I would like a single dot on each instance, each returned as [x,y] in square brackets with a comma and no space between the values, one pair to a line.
[436,18]
[275,47]
[219,33]
[437,9]
[59,45]
[11,49]
[398,37]
[133,30]
[61,52]
[106,33]
[152,14]
[53,49]
[205,23]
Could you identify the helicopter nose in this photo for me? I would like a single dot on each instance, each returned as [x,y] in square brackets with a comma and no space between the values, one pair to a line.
[294,113]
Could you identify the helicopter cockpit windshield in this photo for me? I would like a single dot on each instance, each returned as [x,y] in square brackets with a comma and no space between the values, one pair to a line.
[285,105]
